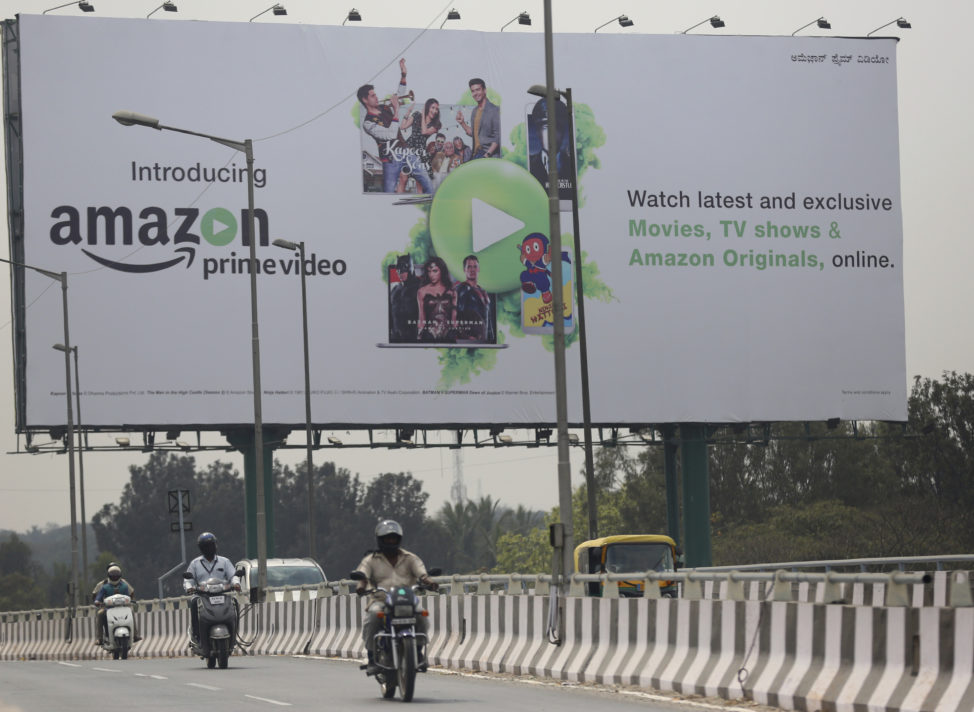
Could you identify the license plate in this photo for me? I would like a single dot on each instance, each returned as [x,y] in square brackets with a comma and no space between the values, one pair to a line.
[402,621]
[216,599]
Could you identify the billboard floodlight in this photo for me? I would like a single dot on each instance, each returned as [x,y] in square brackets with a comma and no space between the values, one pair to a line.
[84,6]
[714,21]
[623,20]
[278,10]
[451,15]
[821,23]
[166,6]
[523,19]
[901,22]
[352,16]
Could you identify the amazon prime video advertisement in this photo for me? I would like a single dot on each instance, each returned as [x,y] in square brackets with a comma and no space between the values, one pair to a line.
[722,234]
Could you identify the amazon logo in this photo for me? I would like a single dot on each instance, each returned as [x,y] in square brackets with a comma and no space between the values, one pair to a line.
[98,228]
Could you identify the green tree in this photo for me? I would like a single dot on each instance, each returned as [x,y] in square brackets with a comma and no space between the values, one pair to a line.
[15,557]
[20,592]
[526,553]
[21,579]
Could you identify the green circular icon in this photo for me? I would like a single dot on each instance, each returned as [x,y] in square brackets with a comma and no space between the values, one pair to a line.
[478,189]
[218,226]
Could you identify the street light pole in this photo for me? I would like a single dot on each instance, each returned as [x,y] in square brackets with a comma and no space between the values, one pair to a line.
[81,468]
[129,118]
[299,246]
[558,305]
[593,521]
[62,277]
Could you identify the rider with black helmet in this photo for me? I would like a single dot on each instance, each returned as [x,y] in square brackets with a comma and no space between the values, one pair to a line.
[389,566]
[204,567]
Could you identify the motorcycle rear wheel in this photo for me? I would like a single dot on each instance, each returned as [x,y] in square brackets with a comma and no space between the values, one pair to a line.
[407,669]
[211,662]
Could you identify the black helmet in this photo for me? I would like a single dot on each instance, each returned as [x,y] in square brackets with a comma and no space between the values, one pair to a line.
[384,529]
[114,572]
[207,544]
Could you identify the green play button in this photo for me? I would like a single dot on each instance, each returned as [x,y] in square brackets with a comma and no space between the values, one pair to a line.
[486,208]
[218,226]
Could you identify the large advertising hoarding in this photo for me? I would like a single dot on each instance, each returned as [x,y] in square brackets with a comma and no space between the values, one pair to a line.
[739,212]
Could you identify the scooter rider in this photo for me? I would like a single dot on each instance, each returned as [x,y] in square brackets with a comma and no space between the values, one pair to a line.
[204,567]
[387,567]
[113,583]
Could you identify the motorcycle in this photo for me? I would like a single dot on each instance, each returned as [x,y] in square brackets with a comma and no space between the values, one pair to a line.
[218,610]
[399,650]
[120,620]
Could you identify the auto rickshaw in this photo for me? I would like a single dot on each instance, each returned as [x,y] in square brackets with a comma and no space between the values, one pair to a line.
[628,553]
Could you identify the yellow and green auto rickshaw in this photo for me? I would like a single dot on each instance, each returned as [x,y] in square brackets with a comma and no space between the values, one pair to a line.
[628,553]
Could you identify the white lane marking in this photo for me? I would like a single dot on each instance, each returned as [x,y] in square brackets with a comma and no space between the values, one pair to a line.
[273,702]
[101,669]
[68,664]
[201,685]
[154,677]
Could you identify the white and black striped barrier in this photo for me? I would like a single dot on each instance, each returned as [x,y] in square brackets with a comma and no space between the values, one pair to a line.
[898,654]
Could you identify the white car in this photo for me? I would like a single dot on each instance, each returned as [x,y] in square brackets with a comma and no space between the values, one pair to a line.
[282,572]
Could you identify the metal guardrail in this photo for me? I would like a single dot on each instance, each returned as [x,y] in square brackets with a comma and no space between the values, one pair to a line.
[900,562]
[896,583]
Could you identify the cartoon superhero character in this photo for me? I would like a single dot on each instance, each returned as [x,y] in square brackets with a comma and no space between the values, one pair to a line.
[536,256]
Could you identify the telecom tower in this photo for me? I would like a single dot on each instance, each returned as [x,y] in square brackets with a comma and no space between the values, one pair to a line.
[458,490]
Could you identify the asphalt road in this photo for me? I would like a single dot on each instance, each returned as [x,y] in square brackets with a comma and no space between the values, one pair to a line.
[301,683]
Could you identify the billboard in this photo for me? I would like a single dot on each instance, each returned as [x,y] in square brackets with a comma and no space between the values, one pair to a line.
[739,219]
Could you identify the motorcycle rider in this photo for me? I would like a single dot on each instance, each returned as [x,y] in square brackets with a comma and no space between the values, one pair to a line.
[388,566]
[204,567]
[112,584]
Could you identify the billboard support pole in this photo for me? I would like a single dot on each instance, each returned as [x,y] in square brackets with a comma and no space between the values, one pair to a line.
[696,494]
[672,481]
[242,439]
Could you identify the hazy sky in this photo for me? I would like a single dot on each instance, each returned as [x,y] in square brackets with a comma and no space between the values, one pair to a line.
[936,166]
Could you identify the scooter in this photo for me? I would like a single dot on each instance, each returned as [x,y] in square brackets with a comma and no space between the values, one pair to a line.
[400,651]
[218,610]
[118,616]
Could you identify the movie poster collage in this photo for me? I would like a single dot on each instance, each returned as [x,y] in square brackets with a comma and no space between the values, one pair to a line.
[410,143]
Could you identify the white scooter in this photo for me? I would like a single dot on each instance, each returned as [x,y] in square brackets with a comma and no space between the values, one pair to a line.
[121,624]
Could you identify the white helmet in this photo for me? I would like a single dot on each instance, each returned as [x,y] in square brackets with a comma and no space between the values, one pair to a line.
[114,573]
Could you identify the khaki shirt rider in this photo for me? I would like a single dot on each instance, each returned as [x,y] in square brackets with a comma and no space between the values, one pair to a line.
[403,569]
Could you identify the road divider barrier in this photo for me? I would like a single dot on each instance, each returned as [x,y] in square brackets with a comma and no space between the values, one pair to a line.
[805,644]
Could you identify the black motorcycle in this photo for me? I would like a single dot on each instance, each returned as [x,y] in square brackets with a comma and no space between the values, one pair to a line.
[400,651]
[220,613]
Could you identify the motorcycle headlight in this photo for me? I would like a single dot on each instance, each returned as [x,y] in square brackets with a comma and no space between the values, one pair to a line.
[214,588]
[403,610]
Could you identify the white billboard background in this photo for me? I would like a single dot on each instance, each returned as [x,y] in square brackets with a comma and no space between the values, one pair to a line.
[733,115]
